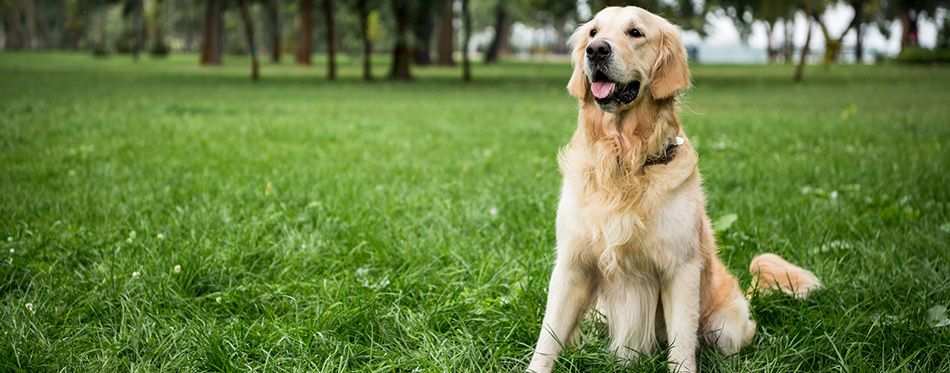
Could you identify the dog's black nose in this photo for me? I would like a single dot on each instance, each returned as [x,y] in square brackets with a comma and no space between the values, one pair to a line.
[598,49]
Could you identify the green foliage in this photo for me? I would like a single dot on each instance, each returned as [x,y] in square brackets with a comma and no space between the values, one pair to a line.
[410,226]
[159,49]
[919,55]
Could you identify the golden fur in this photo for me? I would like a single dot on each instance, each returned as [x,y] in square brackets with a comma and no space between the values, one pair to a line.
[634,241]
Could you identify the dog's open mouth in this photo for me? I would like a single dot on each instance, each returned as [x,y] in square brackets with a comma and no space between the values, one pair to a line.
[606,91]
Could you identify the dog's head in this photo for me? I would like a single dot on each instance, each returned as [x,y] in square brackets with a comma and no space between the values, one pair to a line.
[624,52]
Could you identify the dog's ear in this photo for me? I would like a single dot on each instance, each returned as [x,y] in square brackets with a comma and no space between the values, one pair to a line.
[670,72]
[577,86]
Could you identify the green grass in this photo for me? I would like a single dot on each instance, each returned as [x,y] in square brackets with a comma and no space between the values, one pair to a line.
[409,226]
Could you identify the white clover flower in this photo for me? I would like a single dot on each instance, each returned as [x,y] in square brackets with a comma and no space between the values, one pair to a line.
[132,234]
[128,240]
[177,269]
[218,299]
[135,275]
[29,306]
[834,194]
[9,238]
[160,236]
[12,250]
[493,211]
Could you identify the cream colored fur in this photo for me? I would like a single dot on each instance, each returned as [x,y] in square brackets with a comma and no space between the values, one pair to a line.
[634,241]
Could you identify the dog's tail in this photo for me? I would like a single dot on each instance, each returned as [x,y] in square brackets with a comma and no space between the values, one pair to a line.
[771,272]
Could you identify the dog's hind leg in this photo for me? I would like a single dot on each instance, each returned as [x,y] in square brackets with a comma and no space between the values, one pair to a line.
[726,322]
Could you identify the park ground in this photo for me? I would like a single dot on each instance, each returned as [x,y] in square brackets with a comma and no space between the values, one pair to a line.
[161,216]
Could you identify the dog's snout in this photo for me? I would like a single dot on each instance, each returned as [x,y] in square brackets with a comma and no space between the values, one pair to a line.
[598,49]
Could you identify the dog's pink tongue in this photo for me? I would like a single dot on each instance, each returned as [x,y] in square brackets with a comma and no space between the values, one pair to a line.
[601,89]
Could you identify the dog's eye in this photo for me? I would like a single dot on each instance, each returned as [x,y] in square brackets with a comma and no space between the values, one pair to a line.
[634,33]
[593,32]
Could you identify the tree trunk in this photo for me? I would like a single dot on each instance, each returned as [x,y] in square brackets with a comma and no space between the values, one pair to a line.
[273,29]
[769,47]
[72,29]
[10,41]
[422,30]
[801,62]
[908,28]
[331,39]
[249,32]
[188,33]
[101,28]
[3,35]
[446,34]
[789,43]
[858,30]
[499,45]
[361,9]
[138,32]
[306,32]
[467,25]
[45,40]
[859,45]
[400,65]
[19,38]
[213,32]
[832,44]
[170,19]
[560,43]
[29,8]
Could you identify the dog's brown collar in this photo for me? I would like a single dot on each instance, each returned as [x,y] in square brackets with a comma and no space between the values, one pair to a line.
[666,155]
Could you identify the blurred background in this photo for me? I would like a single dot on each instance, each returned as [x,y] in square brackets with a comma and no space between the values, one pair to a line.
[446,32]
[160,211]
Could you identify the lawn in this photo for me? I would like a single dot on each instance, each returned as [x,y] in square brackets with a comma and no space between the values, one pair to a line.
[160,216]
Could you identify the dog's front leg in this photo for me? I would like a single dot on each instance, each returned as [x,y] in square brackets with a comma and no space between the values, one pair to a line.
[568,297]
[680,295]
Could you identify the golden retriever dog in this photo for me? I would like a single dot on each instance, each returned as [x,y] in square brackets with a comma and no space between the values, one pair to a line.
[633,238]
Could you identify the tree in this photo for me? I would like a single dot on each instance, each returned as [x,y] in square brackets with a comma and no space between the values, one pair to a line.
[499,44]
[743,15]
[213,38]
[363,11]
[249,33]
[331,39]
[556,12]
[29,9]
[860,11]
[73,26]
[909,12]
[153,16]
[446,34]
[832,43]
[467,26]
[400,65]
[799,71]
[18,36]
[133,9]
[770,13]
[272,12]
[304,40]
[422,31]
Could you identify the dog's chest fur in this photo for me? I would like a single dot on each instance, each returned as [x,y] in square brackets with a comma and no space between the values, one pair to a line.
[641,223]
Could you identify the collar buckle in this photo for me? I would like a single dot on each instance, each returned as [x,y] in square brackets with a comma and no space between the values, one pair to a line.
[666,155]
